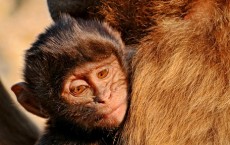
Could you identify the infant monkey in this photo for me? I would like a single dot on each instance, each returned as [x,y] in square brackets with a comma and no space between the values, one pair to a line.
[76,75]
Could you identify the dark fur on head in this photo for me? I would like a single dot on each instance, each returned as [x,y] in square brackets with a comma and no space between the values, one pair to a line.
[66,44]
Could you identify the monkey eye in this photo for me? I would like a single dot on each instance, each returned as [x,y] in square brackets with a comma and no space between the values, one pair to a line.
[102,74]
[77,90]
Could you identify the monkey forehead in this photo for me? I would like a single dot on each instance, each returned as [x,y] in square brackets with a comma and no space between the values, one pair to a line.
[91,66]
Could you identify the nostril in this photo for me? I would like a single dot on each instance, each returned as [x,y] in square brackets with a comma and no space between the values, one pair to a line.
[98,100]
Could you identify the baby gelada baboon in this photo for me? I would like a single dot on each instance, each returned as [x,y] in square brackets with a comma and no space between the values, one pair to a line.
[76,74]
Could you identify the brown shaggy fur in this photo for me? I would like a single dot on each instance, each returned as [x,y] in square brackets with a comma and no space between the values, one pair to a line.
[181,70]
[134,17]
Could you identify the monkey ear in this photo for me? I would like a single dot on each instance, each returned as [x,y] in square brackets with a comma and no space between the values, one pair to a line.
[28,100]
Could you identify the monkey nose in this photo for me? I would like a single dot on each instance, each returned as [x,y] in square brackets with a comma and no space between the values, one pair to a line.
[102,96]
[98,100]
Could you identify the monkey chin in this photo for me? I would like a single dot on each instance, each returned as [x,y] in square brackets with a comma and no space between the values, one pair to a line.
[114,118]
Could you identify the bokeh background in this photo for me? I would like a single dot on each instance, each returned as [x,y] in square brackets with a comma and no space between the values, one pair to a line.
[20,23]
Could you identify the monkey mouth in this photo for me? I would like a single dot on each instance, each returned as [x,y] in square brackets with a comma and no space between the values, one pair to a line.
[114,111]
[112,118]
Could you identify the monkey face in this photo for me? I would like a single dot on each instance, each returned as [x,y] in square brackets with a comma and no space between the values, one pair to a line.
[96,94]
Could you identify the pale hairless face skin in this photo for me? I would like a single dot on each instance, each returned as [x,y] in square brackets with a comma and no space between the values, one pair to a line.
[100,87]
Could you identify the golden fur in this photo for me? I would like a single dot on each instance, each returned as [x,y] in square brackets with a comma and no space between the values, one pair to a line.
[134,17]
[181,91]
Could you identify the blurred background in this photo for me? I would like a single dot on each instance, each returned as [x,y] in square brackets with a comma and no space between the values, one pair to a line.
[20,23]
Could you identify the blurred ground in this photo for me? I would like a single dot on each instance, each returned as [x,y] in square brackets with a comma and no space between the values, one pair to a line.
[20,23]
